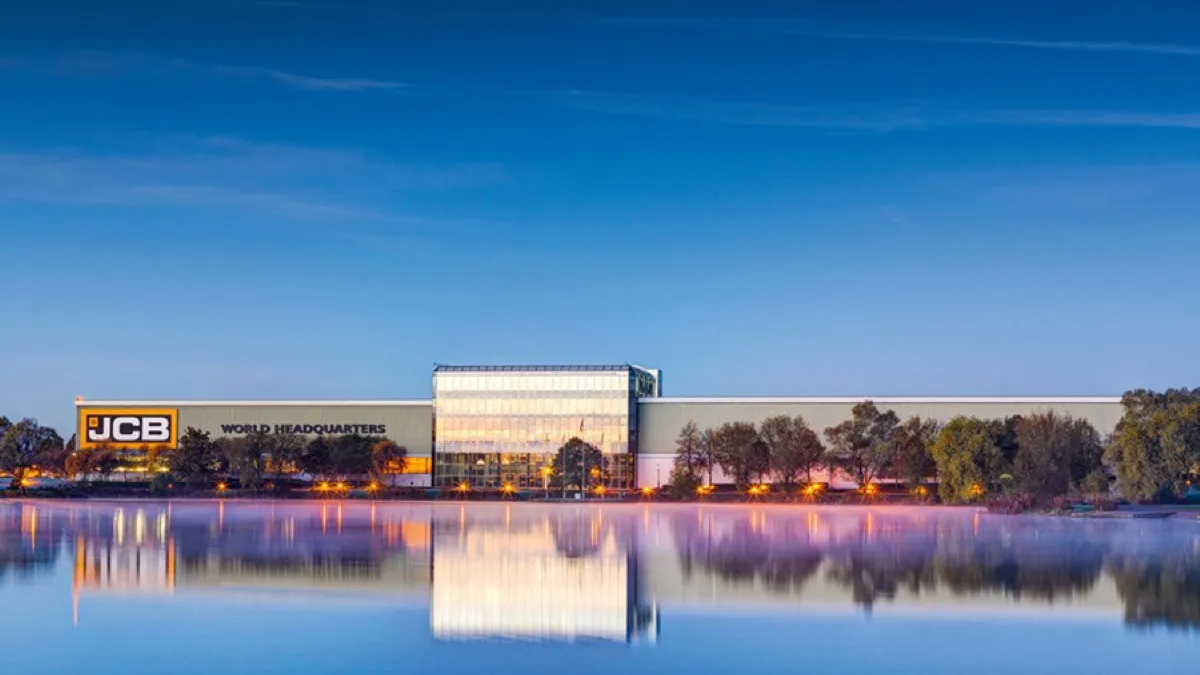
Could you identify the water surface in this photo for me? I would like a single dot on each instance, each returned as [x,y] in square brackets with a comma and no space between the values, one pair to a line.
[359,587]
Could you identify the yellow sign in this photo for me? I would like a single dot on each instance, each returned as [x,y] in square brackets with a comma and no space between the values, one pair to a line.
[128,428]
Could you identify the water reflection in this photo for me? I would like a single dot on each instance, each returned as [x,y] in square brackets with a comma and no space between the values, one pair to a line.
[567,573]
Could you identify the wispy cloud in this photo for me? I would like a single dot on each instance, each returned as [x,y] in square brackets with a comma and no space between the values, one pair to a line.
[103,65]
[305,81]
[219,173]
[812,29]
[862,118]
[1066,45]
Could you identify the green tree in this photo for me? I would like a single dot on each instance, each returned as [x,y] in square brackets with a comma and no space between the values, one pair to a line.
[740,452]
[690,462]
[196,460]
[1055,453]
[864,446]
[913,462]
[350,455]
[1004,435]
[25,445]
[316,459]
[968,459]
[1156,445]
[795,449]
[388,459]
[247,457]
[574,462]
[283,459]
[706,451]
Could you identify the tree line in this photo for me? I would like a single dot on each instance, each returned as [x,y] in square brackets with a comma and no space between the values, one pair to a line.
[1154,452]
[199,459]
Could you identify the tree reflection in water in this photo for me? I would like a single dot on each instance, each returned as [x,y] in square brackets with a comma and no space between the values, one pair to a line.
[876,556]
[1156,572]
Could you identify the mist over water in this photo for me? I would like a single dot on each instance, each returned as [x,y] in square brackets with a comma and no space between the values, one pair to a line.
[354,586]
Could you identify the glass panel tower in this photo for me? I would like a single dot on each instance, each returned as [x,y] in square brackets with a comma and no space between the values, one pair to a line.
[504,425]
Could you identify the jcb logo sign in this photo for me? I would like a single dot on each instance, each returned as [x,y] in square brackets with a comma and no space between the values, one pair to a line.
[128,427]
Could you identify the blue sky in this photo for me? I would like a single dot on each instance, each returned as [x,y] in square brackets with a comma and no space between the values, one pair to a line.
[292,199]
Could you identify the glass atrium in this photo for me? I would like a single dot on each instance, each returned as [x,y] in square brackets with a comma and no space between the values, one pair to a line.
[504,426]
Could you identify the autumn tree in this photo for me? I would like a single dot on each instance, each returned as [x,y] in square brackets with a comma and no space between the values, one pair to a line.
[864,445]
[741,453]
[968,459]
[795,449]
[914,463]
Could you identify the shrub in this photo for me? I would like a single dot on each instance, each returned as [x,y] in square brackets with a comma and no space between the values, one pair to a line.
[1010,504]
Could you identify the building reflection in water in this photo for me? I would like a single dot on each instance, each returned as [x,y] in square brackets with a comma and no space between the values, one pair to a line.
[573,572]
[566,575]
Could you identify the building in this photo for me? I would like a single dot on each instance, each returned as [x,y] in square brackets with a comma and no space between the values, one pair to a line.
[493,426]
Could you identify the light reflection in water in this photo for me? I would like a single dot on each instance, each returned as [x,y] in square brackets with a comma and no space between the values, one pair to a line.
[576,572]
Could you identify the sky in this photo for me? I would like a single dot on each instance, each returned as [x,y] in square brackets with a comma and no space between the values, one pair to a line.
[274,199]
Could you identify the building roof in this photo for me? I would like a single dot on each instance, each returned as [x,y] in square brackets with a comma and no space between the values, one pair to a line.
[438,368]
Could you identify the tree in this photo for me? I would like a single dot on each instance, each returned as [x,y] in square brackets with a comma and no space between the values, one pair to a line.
[706,450]
[864,445]
[55,461]
[247,457]
[387,460]
[795,449]
[1156,445]
[196,460]
[25,445]
[91,460]
[690,460]
[968,459]
[316,459]
[156,457]
[350,455]
[1054,454]
[914,463]
[284,455]
[739,450]
[574,461]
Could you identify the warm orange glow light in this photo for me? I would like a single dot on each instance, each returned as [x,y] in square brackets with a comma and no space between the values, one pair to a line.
[341,486]
[508,488]
[600,489]
[870,488]
[322,486]
[221,487]
[647,490]
[373,486]
[463,486]
[813,489]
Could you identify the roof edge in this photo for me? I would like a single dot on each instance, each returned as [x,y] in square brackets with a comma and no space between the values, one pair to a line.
[886,399]
[87,403]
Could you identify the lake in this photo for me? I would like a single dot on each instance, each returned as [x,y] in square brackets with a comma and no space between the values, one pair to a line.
[359,587]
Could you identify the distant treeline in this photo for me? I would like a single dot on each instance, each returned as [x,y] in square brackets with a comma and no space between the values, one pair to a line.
[1154,452]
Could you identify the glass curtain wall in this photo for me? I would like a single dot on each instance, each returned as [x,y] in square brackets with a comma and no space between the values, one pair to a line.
[504,426]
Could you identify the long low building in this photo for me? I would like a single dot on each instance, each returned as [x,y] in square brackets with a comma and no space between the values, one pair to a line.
[493,426]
